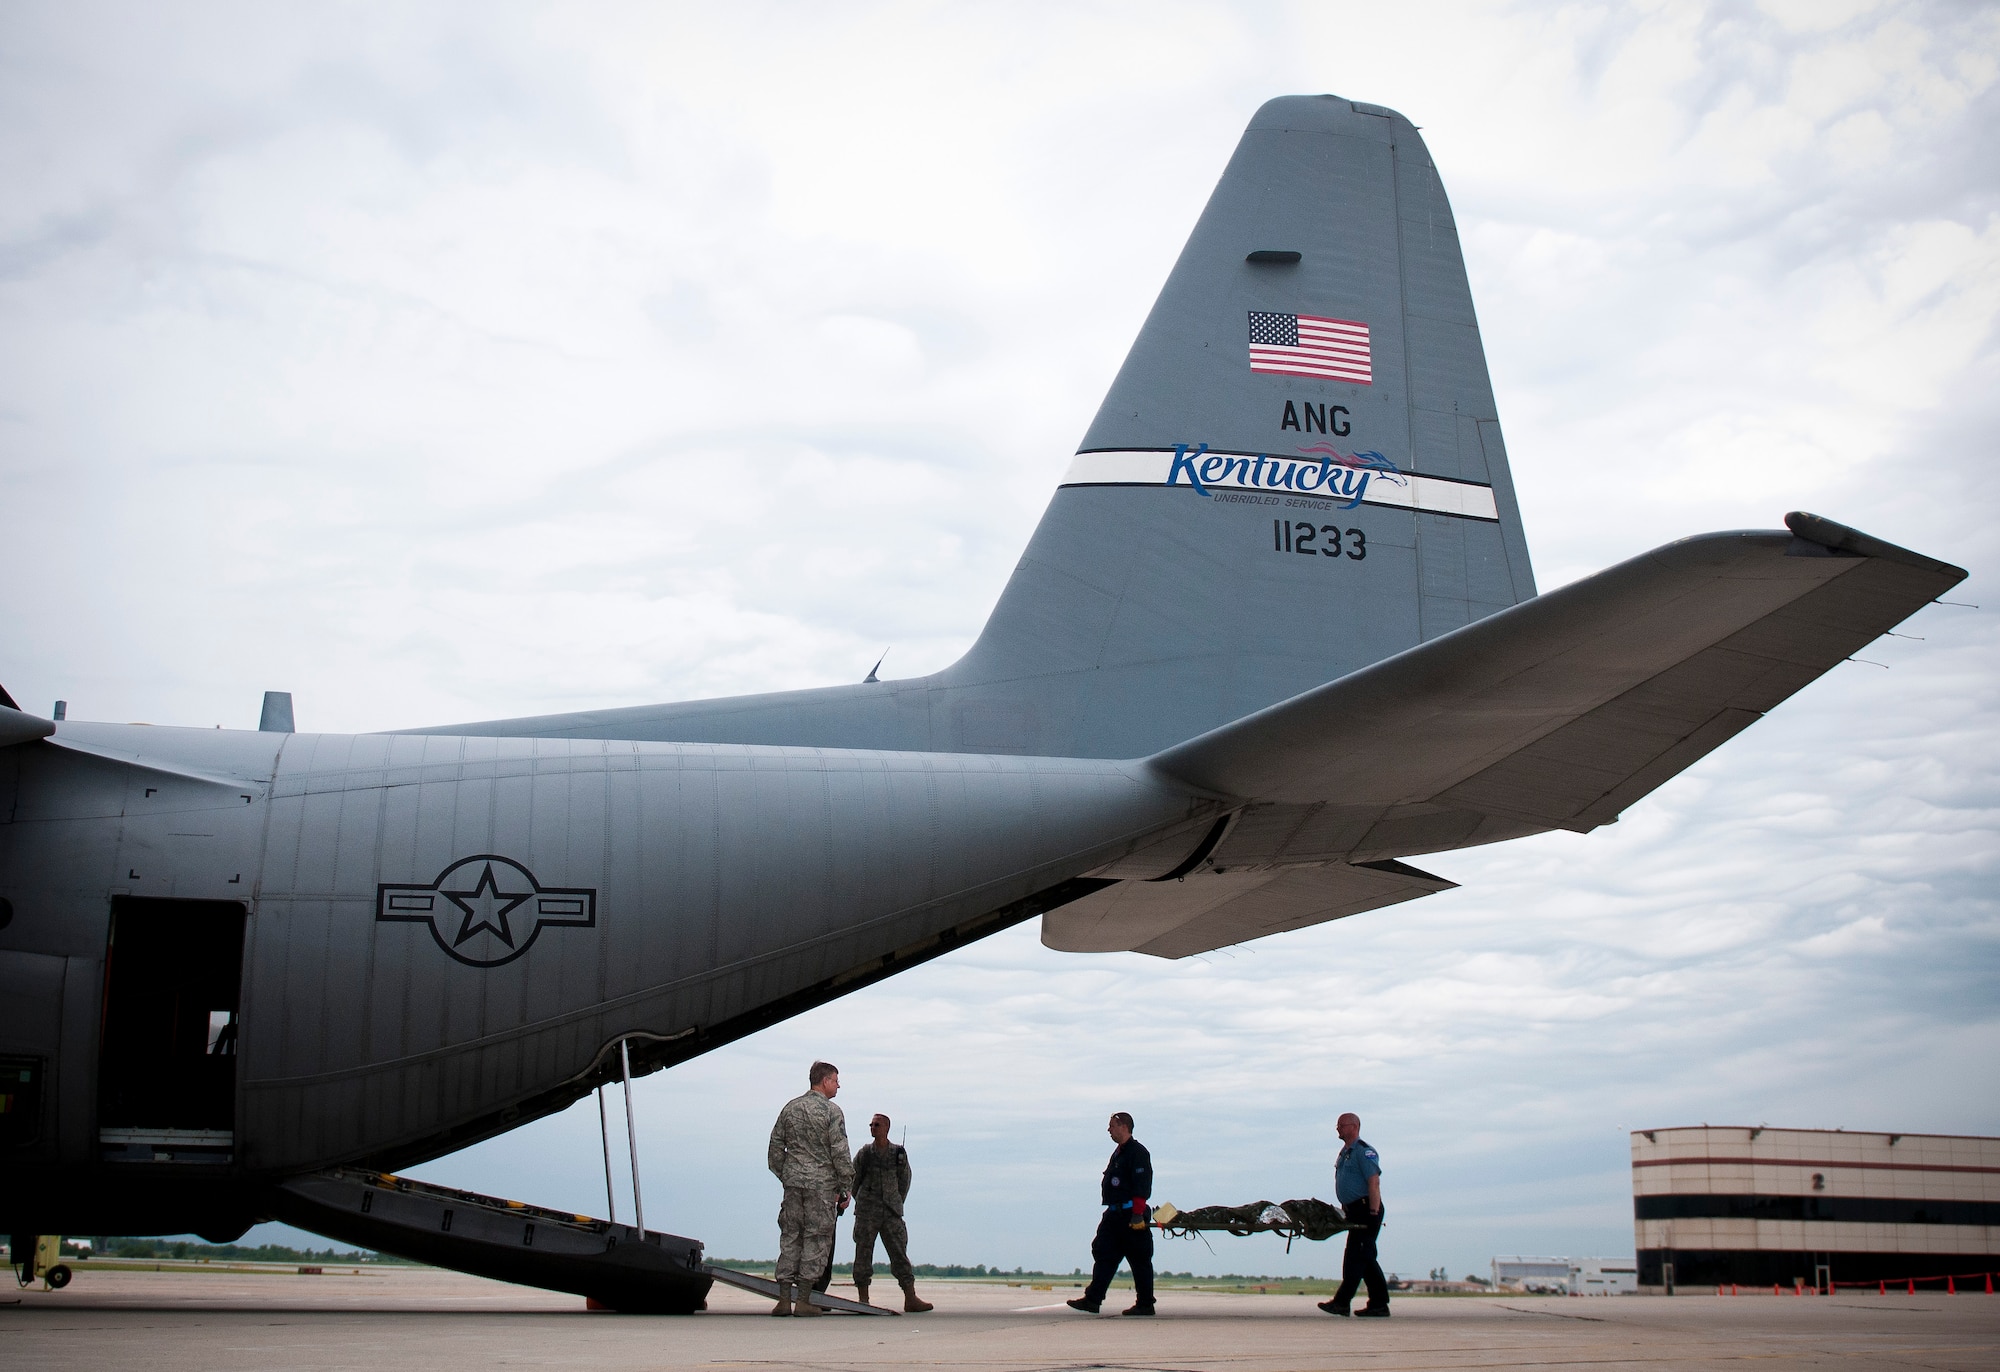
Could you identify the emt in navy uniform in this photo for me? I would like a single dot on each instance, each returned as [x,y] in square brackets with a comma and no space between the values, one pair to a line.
[1357,1185]
[1124,1232]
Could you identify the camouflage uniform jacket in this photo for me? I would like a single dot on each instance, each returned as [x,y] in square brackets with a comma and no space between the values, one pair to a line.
[881,1180]
[809,1145]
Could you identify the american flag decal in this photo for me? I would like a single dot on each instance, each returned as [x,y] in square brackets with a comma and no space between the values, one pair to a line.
[1307,345]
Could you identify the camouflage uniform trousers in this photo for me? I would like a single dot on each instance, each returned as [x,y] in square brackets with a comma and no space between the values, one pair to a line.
[805,1235]
[869,1221]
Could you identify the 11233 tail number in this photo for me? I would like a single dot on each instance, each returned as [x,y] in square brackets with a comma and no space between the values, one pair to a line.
[1326,540]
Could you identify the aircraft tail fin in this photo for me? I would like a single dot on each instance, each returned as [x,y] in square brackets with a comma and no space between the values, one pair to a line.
[1297,472]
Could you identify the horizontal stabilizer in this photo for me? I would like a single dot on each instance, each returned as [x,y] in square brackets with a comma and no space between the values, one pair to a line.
[1561,711]
[1208,910]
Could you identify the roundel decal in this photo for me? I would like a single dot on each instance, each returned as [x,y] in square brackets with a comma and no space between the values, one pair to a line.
[486,910]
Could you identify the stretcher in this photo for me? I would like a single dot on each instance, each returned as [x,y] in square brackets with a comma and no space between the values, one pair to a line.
[1294,1219]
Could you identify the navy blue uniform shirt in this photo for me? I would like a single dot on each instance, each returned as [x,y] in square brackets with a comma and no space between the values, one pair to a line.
[1129,1174]
[1358,1162]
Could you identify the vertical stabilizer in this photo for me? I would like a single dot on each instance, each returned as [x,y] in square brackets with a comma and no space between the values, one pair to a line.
[1297,472]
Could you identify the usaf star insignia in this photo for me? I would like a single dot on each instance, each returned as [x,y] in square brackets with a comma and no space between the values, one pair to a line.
[486,910]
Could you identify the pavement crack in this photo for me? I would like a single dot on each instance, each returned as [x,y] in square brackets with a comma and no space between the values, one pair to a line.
[1556,1314]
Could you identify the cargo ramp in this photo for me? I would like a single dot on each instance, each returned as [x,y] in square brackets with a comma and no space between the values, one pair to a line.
[615,1265]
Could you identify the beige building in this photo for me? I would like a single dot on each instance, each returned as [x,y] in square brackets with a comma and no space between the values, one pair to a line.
[1756,1207]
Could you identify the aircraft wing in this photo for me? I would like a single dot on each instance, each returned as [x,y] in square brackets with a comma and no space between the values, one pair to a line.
[19,727]
[1556,713]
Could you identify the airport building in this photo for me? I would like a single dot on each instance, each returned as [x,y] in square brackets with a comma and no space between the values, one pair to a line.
[1807,1207]
[1603,1277]
[1578,1276]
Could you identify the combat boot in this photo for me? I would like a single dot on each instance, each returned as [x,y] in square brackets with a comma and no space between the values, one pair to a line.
[784,1305]
[861,1292]
[911,1305]
[803,1305]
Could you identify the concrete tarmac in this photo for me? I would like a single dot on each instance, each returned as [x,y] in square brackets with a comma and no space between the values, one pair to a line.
[389,1318]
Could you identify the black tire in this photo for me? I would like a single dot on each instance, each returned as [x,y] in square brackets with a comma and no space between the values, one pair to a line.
[59,1276]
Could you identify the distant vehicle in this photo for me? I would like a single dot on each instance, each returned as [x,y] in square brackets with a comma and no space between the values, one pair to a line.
[1276,632]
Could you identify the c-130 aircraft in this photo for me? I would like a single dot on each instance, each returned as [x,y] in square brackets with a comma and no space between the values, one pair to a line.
[1276,632]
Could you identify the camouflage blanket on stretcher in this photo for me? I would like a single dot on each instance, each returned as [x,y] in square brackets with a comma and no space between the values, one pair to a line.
[1295,1219]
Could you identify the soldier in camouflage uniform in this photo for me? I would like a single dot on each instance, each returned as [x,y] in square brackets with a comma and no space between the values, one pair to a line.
[881,1181]
[808,1154]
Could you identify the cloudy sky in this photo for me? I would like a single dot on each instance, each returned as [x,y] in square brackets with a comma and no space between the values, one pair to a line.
[449,363]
